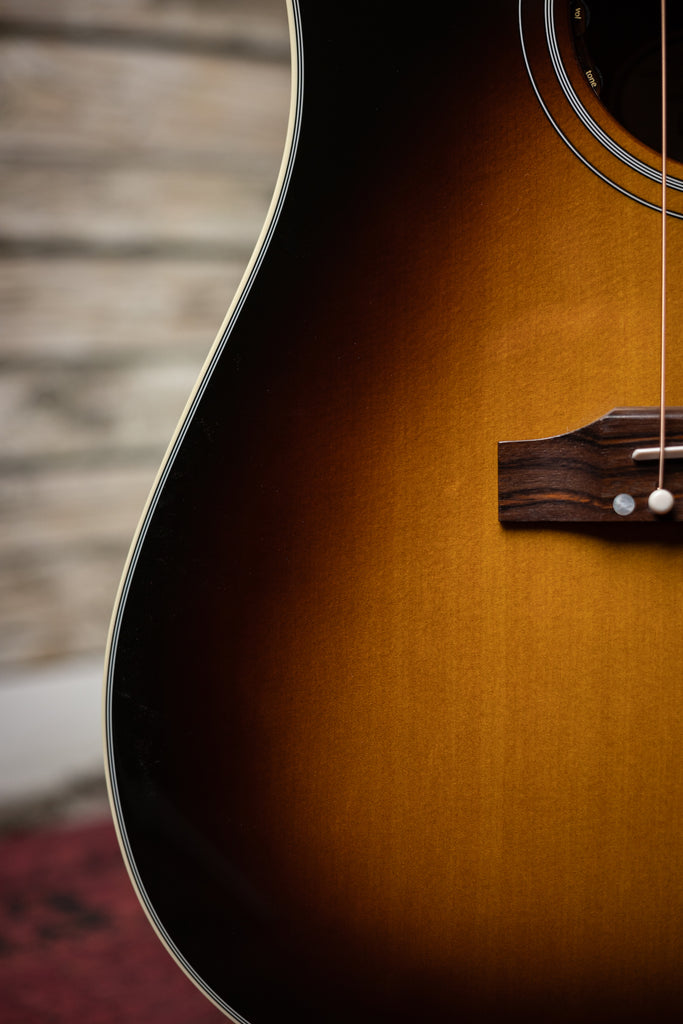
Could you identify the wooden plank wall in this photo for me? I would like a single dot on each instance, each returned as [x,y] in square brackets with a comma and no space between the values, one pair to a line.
[139,145]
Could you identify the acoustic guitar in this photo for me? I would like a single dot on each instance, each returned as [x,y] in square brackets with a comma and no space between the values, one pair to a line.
[394,720]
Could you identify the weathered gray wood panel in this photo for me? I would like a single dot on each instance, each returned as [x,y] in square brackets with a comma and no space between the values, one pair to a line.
[85,308]
[139,210]
[139,147]
[253,26]
[88,103]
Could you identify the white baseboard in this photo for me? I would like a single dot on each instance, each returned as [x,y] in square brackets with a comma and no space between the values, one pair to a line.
[50,727]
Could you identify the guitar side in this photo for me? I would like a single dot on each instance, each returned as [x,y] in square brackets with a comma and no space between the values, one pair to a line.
[372,755]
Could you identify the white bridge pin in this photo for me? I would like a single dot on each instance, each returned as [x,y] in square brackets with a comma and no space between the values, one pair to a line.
[660,501]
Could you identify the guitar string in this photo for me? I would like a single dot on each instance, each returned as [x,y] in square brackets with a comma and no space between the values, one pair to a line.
[662,374]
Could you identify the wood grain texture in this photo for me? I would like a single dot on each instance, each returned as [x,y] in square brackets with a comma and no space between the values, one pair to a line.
[115,103]
[254,26]
[132,210]
[61,551]
[398,762]
[575,477]
[106,310]
[139,146]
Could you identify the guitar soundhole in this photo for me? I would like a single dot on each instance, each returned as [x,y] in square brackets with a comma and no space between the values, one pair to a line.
[618,46]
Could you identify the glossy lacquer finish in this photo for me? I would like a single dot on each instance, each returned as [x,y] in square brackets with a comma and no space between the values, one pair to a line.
[374,756]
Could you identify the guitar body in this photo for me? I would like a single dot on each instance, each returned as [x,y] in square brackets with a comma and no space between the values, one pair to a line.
[374,756]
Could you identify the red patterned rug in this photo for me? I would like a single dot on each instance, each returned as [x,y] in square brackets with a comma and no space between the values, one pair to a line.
[75,945]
